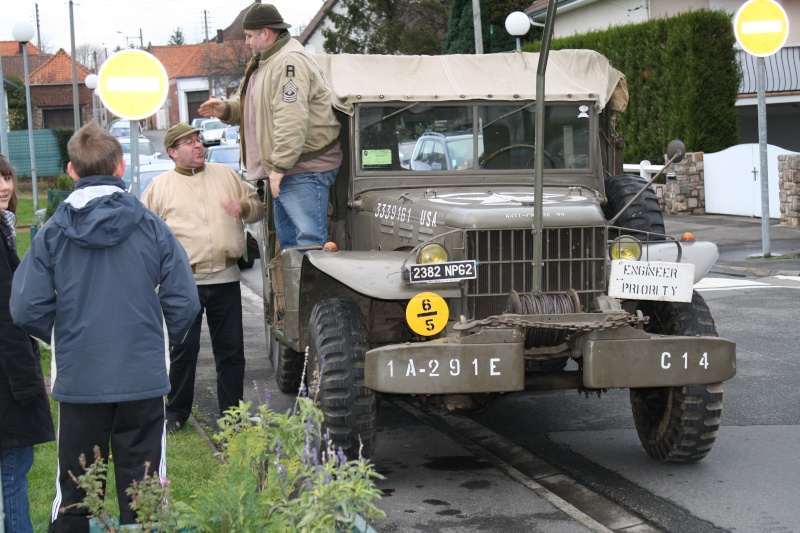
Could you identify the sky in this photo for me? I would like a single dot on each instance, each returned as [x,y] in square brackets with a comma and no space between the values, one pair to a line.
[112,23]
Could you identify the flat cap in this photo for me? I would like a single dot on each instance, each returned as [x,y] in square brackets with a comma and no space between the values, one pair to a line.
[264,16]
[176,132]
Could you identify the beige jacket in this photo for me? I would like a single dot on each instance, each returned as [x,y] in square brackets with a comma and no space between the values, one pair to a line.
[190,202]
[294,117]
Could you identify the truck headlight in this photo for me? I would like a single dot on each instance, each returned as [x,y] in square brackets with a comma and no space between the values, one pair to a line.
[432,253]
[627,248]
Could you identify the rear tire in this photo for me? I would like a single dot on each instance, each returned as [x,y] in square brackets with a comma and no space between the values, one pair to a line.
[678,424]
[643,215]
[338,343]
[287,364]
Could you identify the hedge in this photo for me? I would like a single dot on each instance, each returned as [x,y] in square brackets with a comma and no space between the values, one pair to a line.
[683,79]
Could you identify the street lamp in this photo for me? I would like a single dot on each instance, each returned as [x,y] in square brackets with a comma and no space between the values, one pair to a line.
[91,83]
[518,24]
[23,32]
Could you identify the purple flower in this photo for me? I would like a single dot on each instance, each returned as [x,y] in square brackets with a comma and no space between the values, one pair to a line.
[341,456]
[266,396]
[163,481]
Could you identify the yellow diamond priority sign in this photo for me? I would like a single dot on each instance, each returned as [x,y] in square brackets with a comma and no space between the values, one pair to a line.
[133,84]
[761,27]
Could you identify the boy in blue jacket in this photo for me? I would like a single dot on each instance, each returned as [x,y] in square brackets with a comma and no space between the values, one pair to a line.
[109,286]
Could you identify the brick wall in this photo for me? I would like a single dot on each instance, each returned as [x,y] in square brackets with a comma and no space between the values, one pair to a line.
[789,189]
[686,193]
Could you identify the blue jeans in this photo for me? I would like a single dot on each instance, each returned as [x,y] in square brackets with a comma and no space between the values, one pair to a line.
[301,208]
[15,464]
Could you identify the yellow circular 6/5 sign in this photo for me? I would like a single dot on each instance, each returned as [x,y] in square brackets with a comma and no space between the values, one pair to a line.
[427,314]
[133,84]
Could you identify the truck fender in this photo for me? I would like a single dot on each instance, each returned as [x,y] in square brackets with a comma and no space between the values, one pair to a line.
[375,274]
[702,254]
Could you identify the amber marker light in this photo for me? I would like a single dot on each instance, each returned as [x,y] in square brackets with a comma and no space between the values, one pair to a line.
[687,236]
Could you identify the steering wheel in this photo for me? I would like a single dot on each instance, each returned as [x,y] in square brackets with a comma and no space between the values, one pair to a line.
[505,149]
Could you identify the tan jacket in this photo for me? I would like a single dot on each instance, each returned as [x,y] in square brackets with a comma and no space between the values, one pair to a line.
[191,205]
[294,117]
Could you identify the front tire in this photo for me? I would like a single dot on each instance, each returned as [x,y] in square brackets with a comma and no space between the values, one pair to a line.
[643,215]
[338,343]
[678,424]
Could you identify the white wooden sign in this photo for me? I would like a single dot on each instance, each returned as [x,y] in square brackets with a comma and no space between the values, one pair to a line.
[651,280]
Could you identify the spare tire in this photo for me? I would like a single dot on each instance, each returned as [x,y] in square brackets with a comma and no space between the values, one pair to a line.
[643,215]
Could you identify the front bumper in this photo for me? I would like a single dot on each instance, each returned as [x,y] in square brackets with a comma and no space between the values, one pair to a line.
[493,360]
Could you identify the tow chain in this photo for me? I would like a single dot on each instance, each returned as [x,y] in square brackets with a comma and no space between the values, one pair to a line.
[606,322]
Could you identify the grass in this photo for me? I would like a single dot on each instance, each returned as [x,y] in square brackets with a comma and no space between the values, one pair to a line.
[25,219]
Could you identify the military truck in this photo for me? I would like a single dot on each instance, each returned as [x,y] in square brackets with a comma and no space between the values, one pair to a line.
[473,271]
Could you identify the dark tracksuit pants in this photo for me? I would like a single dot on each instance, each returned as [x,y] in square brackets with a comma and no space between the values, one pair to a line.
[136,433]
[222,304]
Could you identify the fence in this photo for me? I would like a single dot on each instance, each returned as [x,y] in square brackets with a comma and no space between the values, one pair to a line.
[48,156]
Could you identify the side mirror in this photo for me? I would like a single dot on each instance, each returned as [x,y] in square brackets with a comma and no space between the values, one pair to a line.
[675,151]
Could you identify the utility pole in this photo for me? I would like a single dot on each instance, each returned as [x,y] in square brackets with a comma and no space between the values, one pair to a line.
[76,107]
[208,56]
[3,117]
[141,40]
[38,33]
[476,22]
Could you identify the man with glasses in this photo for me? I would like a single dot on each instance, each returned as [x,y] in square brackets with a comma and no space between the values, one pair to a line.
[204,204]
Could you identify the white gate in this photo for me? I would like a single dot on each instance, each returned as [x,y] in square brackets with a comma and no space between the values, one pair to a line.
[733,180]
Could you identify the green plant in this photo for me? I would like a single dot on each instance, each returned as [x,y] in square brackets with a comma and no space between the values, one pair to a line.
[65,183]
[149,497]
[278,474]
[52,206]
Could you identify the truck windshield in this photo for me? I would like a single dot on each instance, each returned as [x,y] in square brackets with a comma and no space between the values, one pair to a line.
[424,137]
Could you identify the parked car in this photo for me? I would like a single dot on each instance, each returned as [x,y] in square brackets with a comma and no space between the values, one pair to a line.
[227,155]
[122,128]
[211,131]
[197,122]
[444,151]
[147,153]
[230,136]
[147,173]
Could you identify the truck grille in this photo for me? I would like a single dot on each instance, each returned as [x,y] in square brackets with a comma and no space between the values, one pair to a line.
[574,258]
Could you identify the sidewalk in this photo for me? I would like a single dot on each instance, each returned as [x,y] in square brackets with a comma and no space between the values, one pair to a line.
[740,243]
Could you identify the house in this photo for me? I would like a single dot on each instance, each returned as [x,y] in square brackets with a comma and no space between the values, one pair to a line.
[191,69]
[311,37]
[52,97]
[50,85]
[783,81]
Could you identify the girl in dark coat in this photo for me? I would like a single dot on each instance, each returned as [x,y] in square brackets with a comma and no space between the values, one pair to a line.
[25,417]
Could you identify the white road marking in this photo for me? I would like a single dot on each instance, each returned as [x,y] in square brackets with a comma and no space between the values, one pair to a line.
[724,284]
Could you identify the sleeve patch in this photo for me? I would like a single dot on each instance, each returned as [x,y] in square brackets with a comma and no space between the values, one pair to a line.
[289,71]
[290,92]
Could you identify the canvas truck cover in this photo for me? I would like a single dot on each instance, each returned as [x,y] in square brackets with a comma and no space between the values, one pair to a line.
[571,75]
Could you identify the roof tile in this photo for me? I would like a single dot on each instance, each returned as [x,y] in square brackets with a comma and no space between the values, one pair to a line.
[11,48]
[58,71]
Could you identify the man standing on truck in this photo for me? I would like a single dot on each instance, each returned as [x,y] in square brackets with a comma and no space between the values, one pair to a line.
[289,133]
[204,205]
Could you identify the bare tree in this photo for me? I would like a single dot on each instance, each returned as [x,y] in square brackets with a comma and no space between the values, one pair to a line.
[228,63]
[89,55]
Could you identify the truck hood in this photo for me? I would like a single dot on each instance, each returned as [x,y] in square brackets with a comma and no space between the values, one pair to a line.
[484,208]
